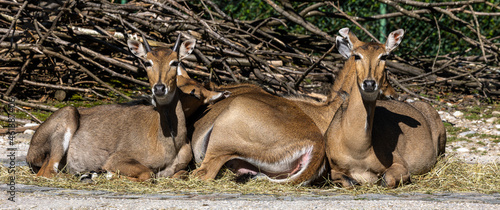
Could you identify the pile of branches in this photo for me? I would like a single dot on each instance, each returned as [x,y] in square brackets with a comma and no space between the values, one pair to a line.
[54,47]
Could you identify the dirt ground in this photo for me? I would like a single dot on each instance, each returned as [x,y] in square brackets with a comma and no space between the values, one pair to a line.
[476,149]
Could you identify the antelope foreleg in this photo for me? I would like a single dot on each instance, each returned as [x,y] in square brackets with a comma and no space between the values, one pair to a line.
[45,170]
[127,167]
[210,166]
[181,161]
[394,175]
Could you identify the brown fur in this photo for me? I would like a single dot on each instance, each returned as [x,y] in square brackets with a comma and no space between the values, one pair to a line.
[137,141]
[369,139]
[398,140]
[232,131]
[195,95]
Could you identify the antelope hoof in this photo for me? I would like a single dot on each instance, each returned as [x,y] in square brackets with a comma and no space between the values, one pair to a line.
[46,173]
[182,174]
[346,182]
[388,182]
[391,182]
[88,177]
[200,173]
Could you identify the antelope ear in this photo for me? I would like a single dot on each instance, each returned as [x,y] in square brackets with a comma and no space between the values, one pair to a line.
[186,48]
[394,39]
[344,46]
[344,32]
[136,48]
[349,36]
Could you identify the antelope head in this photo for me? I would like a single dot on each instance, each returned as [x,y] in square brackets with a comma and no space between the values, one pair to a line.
[162,66]
[368,58]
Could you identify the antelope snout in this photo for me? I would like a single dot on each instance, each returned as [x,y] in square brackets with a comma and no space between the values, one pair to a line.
[369,85]
[159,89]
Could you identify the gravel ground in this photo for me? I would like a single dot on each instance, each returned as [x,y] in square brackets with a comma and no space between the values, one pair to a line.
[32,197]
[474,147]
[474,143]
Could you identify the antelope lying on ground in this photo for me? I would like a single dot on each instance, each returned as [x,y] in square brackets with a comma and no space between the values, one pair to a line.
[137,141]
[256,133]
[368,139]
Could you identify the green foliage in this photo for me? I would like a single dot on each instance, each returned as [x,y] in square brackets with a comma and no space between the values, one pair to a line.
[246,9]
[421,38]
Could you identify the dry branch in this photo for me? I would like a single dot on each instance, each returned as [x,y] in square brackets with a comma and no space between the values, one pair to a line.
[80,45]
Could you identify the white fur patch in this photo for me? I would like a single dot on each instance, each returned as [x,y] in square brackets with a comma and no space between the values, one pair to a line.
[165,99]
[285,164]
[179,72]
[56,167]
[109,175]
[67,138]
[153,102]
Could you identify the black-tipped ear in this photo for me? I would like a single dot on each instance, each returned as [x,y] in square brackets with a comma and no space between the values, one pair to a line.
[146,44]
[177,43]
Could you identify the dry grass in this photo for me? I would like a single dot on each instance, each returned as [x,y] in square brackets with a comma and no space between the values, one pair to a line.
[449,175]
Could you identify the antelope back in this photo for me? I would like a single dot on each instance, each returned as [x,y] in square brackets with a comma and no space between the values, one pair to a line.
[162,66]
[367,61]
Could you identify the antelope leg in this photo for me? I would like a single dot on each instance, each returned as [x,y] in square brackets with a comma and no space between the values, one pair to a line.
[397,173]
[127,166]
[211,166]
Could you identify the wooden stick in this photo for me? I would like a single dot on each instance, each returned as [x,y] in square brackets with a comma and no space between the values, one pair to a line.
[18,129]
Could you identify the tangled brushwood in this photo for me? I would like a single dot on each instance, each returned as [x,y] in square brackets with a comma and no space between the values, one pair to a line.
[55,48]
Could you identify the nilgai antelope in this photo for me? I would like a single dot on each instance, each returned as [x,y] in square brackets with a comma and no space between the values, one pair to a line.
[370,139]
[137,141]
[258,134]
[253,132]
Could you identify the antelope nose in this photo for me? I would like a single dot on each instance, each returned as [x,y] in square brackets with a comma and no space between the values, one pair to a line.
[369,85]
[159,89]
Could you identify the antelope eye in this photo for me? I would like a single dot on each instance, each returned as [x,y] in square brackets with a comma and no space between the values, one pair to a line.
[148,63]
[357,57]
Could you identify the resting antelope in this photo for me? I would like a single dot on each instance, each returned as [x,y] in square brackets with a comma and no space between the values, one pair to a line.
[253,131]
[256,133]
[137,141]
[369,139]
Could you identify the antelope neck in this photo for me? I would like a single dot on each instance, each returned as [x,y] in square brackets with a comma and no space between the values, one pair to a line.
[358,119]
[168,117]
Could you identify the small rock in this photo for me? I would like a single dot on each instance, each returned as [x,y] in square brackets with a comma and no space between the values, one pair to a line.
[29,131]
[466,133]
[458,114]
[463,150]
[447,117]
[482,148]
[497,126]
[30,124]
[491,120]
[495,113]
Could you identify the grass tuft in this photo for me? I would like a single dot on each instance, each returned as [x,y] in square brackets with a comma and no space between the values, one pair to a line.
[449,175]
